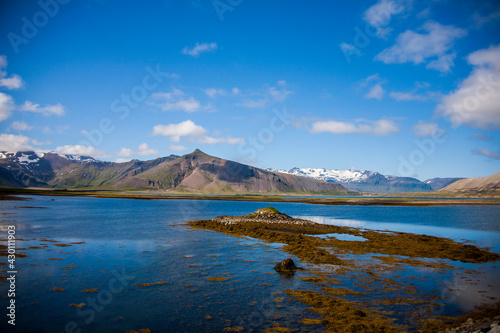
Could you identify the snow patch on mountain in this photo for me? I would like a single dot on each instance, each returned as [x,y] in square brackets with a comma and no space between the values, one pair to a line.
[28,157]
[340,176]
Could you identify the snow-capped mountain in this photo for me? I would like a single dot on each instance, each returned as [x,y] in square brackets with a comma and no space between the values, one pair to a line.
[197,172]
[365,181]
[27,157]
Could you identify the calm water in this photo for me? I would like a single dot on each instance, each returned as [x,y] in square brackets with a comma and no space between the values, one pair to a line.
[131,242]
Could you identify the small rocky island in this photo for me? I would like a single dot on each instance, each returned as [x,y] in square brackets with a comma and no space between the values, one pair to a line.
[329,259]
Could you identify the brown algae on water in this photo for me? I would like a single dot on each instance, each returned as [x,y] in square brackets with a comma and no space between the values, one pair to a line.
[389,253]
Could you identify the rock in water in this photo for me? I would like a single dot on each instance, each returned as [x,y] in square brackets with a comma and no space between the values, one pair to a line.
[286,265]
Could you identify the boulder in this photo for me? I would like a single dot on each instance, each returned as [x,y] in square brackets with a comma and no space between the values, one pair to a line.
[286,265]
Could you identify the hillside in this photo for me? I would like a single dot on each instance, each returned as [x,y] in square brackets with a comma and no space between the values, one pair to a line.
[196,172]
[364,181]
[489,185]
[203,173]
[439,183]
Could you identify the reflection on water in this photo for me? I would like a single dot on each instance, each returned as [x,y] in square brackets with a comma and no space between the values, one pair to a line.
[481,238]
[342,237]
[112,245]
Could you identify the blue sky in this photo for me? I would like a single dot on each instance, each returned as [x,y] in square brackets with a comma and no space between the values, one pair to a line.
[400,87]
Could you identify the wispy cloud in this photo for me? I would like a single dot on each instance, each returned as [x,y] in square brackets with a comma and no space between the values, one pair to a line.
[379,15]
[475,102]
[47,110]
[425,129]
[177,148]
[266,97]
[228,139]
[374,84]
[487,153]
[433,44]
[213,92]
[177,100]
[12,82]
[482,136]
[481,20]
[198,49]
[376,92]
[413,96]
[20,126]
[377,127]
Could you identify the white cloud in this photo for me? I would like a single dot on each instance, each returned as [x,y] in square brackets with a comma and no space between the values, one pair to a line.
[12,82]
[212,141]
[376,92]
[20,126]
[124,152]
[213,92]
[142,150]
[176,131]
[79,150]
[122,160]
[377,127]
[192,133]
[433,44]
[177,100]
[487,153]
[14,143]
[177,148]
[6,106]
[235,91]
[47,110]
[379,15]
[267,97]
[425,129]
[198,49]
[476,100]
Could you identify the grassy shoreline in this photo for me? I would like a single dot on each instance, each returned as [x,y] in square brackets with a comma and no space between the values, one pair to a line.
[404,200]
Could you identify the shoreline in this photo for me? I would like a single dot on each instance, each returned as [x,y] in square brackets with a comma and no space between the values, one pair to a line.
[409,200]
[364,304]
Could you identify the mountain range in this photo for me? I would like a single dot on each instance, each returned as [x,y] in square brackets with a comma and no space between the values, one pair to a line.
[195,172]
[369,181]
[485,186]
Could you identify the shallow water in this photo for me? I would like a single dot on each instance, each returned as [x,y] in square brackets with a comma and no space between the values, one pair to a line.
[130,242]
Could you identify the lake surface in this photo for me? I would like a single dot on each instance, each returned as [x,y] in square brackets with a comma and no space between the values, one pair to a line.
[153,271]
